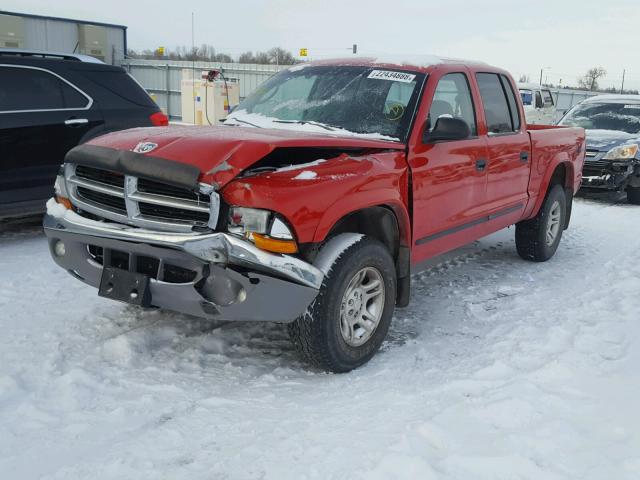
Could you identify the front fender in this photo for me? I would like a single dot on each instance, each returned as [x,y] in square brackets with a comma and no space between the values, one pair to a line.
[314,197]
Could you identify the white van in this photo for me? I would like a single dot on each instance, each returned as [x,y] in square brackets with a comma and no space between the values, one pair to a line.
[539,106]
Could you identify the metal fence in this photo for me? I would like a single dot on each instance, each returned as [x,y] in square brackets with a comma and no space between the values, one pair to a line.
[566,98]
[162,79]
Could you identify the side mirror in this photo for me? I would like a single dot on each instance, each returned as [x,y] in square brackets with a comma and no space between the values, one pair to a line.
[447,129]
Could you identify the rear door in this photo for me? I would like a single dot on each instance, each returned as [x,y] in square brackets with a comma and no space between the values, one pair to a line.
[42,116]
[448,177]
[508,144]
[548,107]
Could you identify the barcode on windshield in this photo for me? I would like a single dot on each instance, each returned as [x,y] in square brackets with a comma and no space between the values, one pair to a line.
[391,75]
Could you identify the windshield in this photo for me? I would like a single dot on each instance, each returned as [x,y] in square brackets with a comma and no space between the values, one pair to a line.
[342,100]
[605,116]
[527,97]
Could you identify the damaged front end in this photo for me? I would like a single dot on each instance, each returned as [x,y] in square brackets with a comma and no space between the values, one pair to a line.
[222,236]
[210,275]
[600,173]
[146,232]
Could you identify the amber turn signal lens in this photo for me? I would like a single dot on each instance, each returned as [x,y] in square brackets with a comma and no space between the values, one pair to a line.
[274,245]
[64,202]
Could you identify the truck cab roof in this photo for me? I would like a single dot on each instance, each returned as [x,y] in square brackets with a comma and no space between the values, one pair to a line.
[420,63]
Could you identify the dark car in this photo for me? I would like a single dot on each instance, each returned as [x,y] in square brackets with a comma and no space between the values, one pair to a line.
[49,103]
[612,162]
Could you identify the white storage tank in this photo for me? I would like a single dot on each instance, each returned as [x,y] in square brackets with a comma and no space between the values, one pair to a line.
[208,98]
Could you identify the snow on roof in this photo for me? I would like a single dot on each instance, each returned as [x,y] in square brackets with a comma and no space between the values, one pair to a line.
[613,98]
[418,61]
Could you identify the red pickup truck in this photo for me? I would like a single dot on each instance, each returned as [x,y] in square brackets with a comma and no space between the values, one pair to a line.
[316,199]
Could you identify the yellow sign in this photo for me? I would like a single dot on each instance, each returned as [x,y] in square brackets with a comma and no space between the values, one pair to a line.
[303,52]
[160,51]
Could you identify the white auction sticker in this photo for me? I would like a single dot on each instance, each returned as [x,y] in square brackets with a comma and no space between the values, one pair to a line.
[632,107]
[391,75]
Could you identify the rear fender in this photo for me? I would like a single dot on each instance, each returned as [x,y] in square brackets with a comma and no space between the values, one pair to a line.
[554,176]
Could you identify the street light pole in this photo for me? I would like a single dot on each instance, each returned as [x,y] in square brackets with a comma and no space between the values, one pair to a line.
[541,72]
[624,71]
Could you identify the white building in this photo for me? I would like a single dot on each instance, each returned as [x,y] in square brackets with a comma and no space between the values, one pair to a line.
[104,41]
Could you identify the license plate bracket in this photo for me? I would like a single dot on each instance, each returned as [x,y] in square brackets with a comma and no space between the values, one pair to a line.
[125,286]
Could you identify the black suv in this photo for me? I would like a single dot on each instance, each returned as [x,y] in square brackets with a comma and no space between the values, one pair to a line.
[49,103]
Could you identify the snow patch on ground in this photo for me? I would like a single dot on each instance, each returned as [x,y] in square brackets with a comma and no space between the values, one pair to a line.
[499,369]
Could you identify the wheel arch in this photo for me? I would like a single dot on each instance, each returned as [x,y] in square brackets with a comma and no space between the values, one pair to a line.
[562,175]
[383,223]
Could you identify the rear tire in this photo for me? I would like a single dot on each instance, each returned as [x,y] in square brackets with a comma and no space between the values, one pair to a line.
[633,195]
[537,239]
[349,319]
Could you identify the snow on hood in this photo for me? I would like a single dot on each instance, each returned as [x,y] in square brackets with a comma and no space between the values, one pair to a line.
[223,152]
[602,140]
[262,121]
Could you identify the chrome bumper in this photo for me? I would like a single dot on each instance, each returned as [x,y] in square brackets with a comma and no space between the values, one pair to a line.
[234,280]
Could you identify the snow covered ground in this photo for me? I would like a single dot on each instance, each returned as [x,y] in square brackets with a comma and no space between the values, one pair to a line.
[499,369]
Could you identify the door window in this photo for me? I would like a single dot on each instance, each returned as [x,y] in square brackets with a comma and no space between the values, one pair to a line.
[500,107]
[30,89]
[511,100]
[452,98]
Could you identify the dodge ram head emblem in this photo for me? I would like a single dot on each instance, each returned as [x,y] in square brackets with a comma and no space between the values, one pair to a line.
[145,147]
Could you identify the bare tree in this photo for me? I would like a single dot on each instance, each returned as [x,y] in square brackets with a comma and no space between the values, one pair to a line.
[590,79]
[280,56]
[524,79]
[207,53]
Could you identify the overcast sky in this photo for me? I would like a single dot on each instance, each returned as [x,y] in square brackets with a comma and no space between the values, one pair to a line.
[565,37]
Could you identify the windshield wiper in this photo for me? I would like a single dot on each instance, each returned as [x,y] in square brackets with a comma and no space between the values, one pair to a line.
[309,122]
[240,121]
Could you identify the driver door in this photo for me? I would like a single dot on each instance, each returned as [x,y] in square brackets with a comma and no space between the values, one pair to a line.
[449,178]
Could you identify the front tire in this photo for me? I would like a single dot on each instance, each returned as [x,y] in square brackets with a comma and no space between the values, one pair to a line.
[537,239]
[633,195]
[349,319]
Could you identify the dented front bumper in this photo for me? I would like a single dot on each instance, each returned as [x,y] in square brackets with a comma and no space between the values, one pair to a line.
[608,175]
[212,275]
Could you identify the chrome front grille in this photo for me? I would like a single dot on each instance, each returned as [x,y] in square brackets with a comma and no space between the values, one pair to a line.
[141,202]
[600,164]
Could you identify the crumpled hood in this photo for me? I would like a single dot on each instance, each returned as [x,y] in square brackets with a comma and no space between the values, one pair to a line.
[222,152]
[605,140]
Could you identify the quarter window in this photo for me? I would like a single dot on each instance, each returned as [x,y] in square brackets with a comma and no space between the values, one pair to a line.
[29,89]
[452,98]
[498,100]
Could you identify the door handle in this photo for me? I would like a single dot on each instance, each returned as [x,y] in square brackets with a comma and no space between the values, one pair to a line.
[76,121]
[481,164]
[524,157]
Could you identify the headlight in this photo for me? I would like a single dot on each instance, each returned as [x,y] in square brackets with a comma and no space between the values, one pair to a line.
[263,228]
[249,220]
[60,189]
[621,152]
[60,186]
